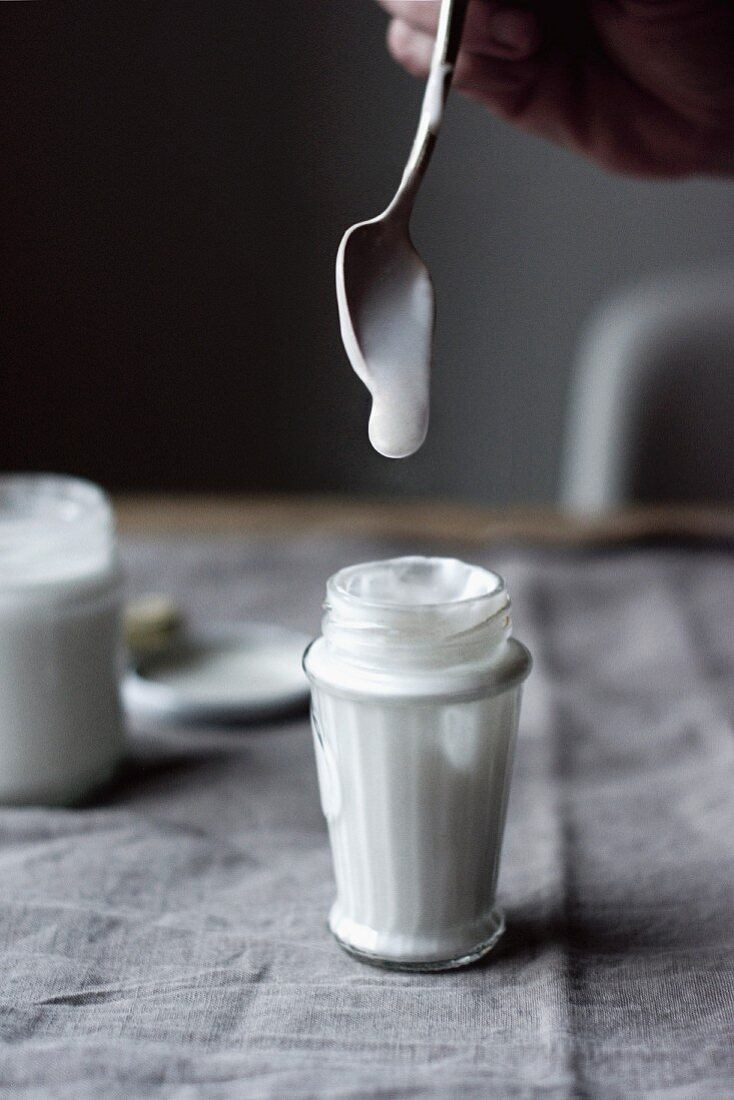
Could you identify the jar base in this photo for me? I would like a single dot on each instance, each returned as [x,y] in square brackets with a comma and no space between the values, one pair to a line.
[466,958]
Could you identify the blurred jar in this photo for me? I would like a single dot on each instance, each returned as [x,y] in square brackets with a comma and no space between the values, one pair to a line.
[60,642]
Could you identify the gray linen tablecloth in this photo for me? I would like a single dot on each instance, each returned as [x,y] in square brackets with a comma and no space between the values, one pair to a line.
[169,938]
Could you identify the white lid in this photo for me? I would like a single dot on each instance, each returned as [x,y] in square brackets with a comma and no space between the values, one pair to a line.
[225,673]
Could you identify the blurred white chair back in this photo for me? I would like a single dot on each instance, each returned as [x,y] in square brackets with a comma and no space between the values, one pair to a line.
[651,412]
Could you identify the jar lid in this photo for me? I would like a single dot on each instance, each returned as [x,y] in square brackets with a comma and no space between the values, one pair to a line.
[226,673]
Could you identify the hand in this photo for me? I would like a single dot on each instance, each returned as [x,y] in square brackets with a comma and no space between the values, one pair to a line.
[644,87]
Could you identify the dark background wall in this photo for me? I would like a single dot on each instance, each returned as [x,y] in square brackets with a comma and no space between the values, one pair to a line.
[175,181]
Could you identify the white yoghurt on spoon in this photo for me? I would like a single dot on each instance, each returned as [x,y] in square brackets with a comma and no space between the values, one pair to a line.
[391,350]
[384,290]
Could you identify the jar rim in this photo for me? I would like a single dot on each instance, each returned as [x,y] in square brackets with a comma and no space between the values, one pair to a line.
[415,611]
[338,585]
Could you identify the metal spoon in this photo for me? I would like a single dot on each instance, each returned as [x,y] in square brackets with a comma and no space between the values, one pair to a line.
[383,288]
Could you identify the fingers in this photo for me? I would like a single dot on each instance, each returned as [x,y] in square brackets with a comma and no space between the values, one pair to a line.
[514,39]
[503,82]
[421,15]
[491,27]
[411,48]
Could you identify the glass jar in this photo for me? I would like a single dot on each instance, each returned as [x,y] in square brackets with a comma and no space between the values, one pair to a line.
[60,643]
[416,686]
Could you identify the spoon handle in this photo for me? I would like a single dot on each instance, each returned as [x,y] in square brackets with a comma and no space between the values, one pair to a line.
[451,38]
[445,51]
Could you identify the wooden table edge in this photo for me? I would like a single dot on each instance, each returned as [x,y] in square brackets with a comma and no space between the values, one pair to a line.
[159,514]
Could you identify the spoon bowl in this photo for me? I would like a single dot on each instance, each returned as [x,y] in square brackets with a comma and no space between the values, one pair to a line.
[387,310]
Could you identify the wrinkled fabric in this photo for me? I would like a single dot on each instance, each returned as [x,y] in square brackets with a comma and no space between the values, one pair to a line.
[169,938]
